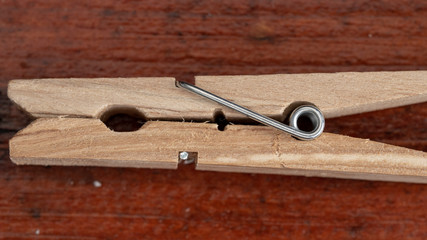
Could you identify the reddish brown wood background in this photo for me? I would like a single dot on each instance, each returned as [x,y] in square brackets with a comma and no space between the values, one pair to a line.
[40,39]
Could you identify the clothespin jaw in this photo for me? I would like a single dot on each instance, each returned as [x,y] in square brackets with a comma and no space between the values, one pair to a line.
[69,131]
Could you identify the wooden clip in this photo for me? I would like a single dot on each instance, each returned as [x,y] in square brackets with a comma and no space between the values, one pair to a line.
[70,132]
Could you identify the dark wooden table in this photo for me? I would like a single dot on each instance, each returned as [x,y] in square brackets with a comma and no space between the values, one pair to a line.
[41,39]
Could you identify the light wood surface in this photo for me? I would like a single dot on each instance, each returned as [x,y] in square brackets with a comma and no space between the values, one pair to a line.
[336,94]
[257,149]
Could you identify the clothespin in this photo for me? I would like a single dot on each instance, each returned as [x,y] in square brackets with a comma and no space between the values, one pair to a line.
[69,131]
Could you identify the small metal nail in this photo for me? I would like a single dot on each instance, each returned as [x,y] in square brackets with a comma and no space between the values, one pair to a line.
[183,156]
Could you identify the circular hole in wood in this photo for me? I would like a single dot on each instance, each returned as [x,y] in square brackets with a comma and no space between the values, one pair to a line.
[123,119]
[221,120]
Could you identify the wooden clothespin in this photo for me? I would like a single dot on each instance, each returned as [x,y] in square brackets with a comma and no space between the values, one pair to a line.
[69,131]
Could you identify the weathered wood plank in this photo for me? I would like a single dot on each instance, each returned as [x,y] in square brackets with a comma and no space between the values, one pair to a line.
[209,38]
[62,39]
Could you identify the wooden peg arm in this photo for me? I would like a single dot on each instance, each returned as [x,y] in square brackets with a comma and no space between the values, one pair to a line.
[254,149]
[336,94]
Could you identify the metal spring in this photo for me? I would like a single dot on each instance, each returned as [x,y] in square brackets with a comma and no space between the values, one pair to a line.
[313,114]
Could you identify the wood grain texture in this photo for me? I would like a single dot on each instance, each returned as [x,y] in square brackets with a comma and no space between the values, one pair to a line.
[253,149]
[336,94]
[62,39]
[214,38]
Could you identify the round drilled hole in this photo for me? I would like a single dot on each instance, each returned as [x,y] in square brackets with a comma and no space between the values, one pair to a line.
[221,120]
[123,119]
